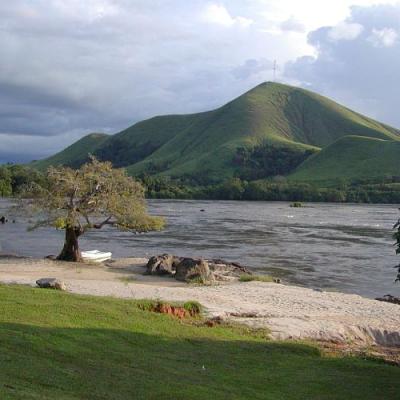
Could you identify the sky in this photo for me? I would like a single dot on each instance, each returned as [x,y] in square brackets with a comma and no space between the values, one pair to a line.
[72,67]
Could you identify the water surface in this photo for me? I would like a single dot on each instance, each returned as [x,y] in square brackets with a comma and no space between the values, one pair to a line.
[345,247]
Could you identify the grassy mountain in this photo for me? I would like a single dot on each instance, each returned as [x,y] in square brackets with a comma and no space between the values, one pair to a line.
[231,139]
[352,157]
[75,154]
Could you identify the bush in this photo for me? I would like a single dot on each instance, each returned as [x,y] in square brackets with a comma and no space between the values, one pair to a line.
[193,308]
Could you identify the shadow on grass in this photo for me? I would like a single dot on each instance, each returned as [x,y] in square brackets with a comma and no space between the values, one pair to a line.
[85,363]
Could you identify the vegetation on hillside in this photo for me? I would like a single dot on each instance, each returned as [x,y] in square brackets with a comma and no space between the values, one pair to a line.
[90,197]
[61,346]
[265,160]
[351,157]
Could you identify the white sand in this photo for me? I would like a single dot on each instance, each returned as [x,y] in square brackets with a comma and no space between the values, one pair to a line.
[288,311]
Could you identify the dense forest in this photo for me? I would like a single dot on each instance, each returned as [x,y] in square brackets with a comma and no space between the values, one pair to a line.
[278,188]
[264,161]
[13,177]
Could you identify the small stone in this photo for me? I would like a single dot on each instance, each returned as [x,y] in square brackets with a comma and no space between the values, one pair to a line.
[51,283]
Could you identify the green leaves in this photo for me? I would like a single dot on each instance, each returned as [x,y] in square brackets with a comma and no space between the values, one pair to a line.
[91,197]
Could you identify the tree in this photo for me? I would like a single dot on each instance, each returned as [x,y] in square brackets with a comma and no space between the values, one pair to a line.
[396,236]
[5,182]
[90,197]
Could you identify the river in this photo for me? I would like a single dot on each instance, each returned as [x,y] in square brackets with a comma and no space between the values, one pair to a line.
[342,247]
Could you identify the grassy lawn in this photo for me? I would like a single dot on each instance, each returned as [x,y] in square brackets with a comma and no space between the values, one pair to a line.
[61,346]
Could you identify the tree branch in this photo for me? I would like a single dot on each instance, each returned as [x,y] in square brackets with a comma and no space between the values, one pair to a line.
[105,222]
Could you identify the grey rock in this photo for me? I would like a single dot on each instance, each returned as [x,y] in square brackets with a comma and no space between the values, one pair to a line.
[225,271]
[190,269]
[389,299]
[51,283]
[164,264]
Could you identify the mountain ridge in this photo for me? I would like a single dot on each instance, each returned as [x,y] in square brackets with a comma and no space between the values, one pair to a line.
[206,144]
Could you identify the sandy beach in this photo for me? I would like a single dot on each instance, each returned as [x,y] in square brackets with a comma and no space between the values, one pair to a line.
[289,312]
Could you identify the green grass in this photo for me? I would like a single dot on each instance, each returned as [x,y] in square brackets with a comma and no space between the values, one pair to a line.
[60,346]
[259,278]
[193,307]
[351,157]
[205,143]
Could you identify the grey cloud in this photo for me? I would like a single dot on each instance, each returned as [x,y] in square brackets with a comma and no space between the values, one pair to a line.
[356,72]
[251,67]
[69,68]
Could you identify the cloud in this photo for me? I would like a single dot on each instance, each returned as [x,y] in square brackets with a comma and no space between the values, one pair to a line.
[218,14]
[362,71]
[68,68]
[292,25]
[386,37]
[252,67]
[345,31]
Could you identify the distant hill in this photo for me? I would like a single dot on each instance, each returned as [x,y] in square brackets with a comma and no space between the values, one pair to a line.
[269,130]
[351,157]
[74,155]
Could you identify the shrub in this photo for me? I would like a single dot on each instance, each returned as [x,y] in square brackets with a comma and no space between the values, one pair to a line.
[193,308]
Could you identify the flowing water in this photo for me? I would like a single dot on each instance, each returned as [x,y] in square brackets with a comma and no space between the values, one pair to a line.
[343,247]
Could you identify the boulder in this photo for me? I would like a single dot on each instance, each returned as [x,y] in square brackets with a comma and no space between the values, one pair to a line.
[164,264]
[51,283]
[190,269]
[389,299]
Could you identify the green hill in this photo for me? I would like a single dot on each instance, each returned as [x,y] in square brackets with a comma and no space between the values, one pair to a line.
[74,155]
[351,157]
[269,130]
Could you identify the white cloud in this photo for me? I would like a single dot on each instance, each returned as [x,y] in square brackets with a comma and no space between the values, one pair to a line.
[345,31]
[385,37]
[292,25]
[218,14]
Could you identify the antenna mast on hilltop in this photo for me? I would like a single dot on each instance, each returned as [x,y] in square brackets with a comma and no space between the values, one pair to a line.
[274,69]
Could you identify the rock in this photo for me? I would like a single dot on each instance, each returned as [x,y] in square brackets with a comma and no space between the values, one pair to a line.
[218,320]
[190,269]
[164,264]
[225,271]
[389,299]
[51,283]
[216,269]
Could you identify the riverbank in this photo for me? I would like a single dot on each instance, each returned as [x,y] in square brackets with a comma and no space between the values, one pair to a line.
[58,345]
[288,312]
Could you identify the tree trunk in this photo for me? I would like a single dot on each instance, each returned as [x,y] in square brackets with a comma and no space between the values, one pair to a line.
[70,251]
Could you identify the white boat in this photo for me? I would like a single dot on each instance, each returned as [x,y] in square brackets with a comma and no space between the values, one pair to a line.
[96,256]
